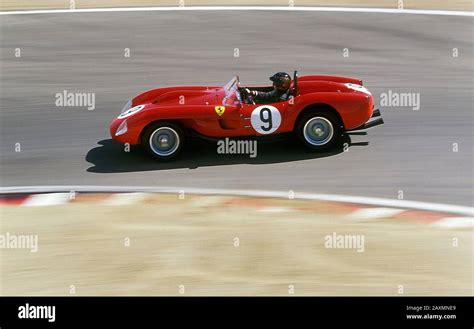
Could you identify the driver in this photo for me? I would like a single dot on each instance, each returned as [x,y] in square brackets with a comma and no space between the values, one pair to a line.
[280,92]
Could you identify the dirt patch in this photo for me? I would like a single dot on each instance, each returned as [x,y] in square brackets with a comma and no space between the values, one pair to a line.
[214,246]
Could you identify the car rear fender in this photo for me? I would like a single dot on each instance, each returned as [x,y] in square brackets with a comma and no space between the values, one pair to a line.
[354,109]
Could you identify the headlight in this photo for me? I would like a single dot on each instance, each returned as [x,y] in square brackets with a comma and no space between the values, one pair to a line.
[122,129]
[127,106]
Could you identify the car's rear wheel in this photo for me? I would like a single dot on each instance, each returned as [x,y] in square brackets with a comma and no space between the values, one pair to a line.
[319,130]
[163,140]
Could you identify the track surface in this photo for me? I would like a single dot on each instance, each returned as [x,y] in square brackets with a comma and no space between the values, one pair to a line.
[85,53]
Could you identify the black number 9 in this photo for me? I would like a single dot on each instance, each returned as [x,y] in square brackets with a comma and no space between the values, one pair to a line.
[267,119]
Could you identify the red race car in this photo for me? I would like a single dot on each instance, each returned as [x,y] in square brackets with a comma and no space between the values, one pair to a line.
[318,110]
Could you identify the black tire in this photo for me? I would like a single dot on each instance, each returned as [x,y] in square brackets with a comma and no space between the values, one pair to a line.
[167,130]
[319,120]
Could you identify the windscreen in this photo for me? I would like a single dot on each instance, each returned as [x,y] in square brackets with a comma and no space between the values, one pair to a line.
[232,94]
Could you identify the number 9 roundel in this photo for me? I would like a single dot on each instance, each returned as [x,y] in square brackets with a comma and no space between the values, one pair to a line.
[265,119]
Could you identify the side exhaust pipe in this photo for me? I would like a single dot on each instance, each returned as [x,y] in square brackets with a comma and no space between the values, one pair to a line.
[372,123]
[369,124]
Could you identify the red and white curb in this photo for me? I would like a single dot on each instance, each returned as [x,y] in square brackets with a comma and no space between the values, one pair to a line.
[373,213]
[46,199]
[355,208]
[123,199]
[454,222]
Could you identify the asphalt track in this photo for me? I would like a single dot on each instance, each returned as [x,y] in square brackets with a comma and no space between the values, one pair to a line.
[84,52]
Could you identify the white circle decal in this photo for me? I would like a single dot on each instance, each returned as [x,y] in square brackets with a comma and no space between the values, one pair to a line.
[265,119]
[131,111]
[360,88]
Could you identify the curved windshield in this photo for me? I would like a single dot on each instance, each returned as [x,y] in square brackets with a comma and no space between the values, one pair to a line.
[231,92]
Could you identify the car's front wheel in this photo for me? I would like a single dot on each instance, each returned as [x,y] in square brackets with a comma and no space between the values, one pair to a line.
[319,130]
[163,140]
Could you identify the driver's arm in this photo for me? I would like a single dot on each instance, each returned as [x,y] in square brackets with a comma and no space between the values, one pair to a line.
[262,96]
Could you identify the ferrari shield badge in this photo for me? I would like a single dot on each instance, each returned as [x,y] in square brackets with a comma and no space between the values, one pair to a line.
[220,110]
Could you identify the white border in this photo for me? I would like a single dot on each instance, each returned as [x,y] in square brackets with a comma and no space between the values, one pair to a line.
[393,203]
[249,8]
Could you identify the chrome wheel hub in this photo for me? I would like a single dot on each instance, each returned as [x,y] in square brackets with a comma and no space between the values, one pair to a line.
[164,141]
[318,131]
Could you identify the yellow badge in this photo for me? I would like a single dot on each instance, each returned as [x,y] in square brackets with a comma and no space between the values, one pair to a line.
[220,110]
